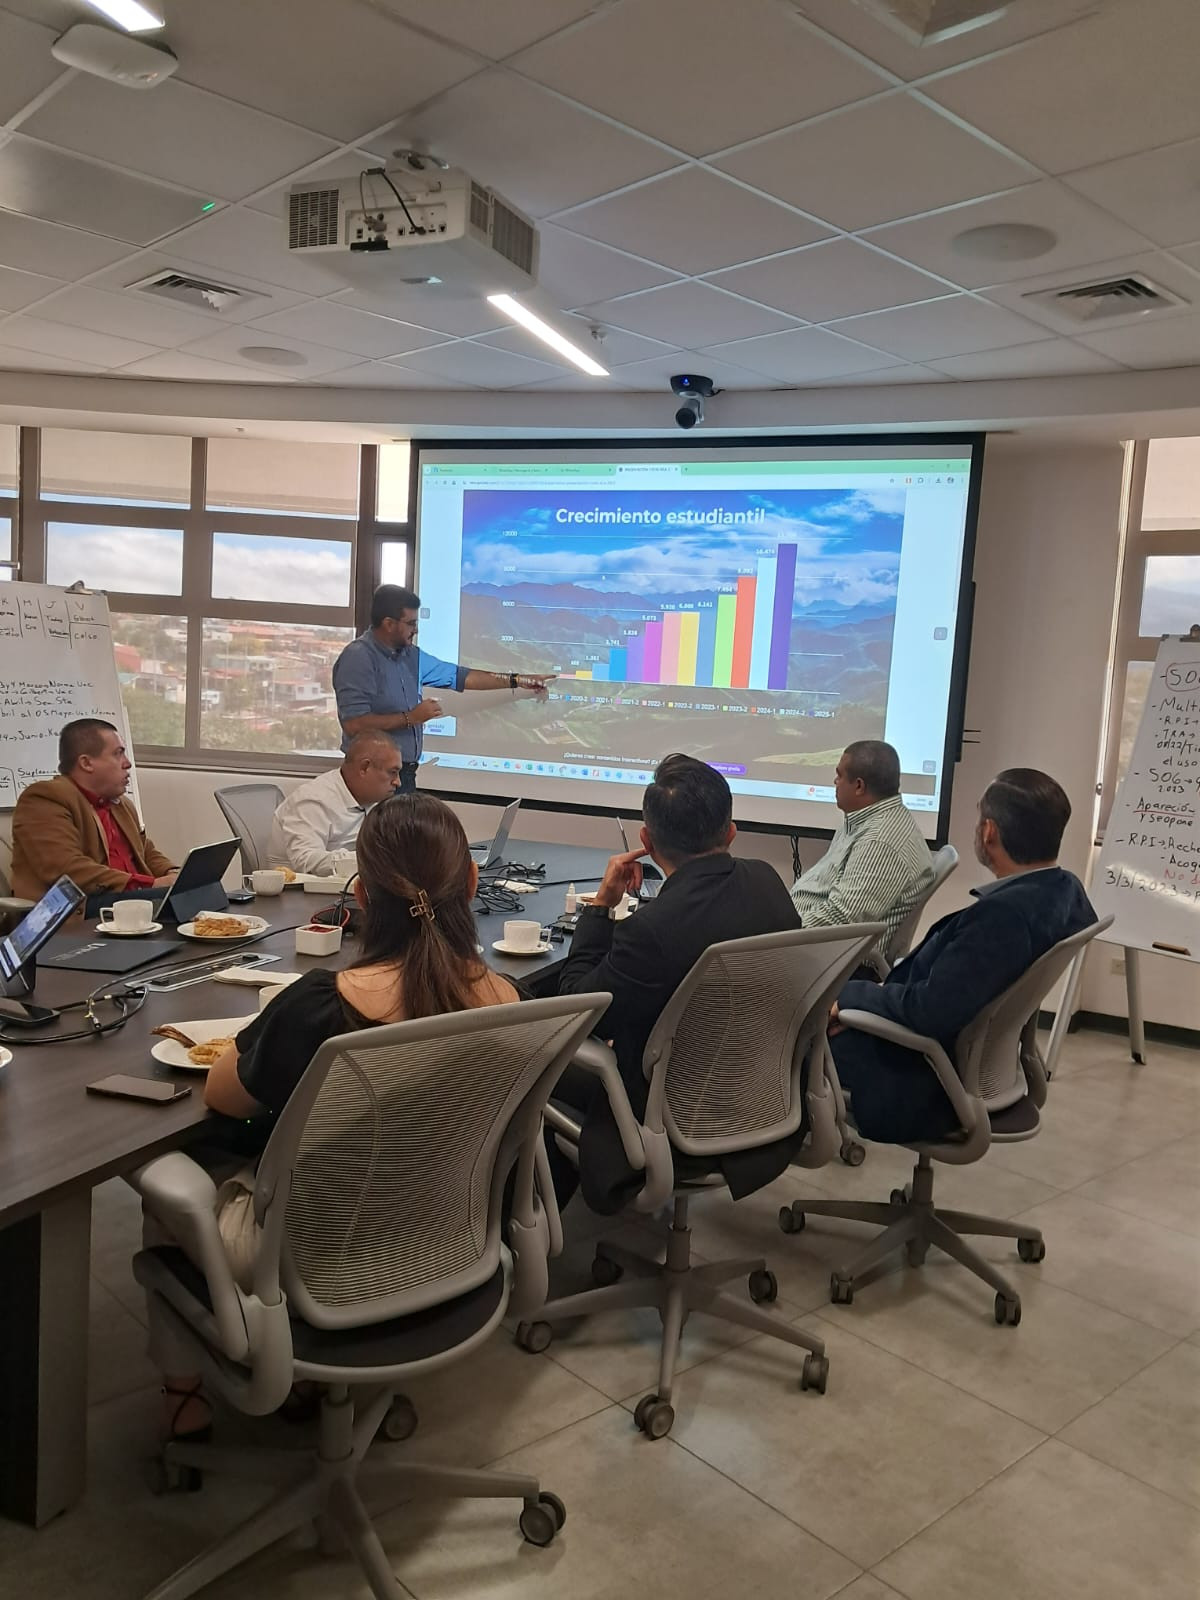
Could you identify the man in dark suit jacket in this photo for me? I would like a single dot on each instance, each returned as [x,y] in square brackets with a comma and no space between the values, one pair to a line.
[708,896]
[965,961]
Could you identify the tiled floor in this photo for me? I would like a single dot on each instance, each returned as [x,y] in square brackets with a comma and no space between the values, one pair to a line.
[949,1458]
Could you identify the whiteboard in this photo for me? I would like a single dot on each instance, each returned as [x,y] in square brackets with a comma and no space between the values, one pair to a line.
[56,664]
[1148,874]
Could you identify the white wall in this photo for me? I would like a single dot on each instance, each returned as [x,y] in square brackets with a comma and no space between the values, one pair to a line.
[1045,570]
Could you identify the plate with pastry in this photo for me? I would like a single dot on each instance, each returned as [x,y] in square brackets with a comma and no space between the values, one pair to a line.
[215,926]
[194,1046]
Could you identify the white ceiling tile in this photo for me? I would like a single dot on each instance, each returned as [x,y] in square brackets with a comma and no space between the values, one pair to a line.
[343,328]
[494,31]
[875,162]
[342,70]
[837,278]
[1084,233]
[14,360]
[860,28]
[1157,192]
[803,356]
[870,380]
[1050,358]
[1156,266]
[19,289]
[176,133]
[479,365]
[950,327]
[657,373]
[37,181]
[178,366]
[1173,342]
[226,343]
[692,221]
[54,339]
[692,75]
[132,315]
[615,349]
[575,272]
[387,375]
[1189,253]
[35,246]
[689,314]
[241,241]
[425,308]
[462,126]
[1121,81]
[28,66]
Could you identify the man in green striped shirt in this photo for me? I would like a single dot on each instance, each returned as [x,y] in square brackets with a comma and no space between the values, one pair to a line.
[877,865]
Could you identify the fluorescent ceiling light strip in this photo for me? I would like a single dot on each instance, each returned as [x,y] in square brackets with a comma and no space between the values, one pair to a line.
[128,14]
[548,335]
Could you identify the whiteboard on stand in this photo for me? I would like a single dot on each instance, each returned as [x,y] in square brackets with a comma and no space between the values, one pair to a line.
[56,664]
[1148,874]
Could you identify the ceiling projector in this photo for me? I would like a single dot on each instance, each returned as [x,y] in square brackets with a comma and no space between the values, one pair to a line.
[418,225]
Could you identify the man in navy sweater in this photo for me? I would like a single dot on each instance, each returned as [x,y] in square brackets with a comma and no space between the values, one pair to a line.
[964,961]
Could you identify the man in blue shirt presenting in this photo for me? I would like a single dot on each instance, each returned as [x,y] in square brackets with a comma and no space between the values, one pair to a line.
[378,679]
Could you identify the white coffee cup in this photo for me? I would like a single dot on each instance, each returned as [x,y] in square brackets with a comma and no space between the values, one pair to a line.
[267,880]
[129,915]
[345,863]
[523,935]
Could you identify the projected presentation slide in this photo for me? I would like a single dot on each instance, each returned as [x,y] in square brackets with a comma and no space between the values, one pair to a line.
[757,610]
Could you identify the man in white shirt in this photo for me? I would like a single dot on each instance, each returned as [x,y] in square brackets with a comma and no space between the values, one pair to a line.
[322,817]
[877,865]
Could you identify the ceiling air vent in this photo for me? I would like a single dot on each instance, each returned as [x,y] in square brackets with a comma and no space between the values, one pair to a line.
[925,22]
[198,293]
[1107,298]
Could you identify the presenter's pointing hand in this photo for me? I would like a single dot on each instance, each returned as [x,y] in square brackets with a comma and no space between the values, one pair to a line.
[426,711]
[537,682]
[622,876]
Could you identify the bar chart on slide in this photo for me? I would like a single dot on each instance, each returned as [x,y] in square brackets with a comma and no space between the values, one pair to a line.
[739,639]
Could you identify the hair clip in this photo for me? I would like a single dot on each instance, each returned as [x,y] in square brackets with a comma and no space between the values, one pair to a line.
[422,906]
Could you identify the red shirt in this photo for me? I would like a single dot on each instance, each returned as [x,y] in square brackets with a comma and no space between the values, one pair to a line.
[120,856]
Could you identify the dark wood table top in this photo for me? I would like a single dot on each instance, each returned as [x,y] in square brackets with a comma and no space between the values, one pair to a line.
[55,1138]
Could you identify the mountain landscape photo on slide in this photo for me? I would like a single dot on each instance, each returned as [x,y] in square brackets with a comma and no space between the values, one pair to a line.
[543,593]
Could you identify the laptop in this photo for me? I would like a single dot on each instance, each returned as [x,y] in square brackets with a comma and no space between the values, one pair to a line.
[18,948]
[491,853]
[198,884]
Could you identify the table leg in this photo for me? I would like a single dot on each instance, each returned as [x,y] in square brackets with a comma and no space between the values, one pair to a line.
[45,1265]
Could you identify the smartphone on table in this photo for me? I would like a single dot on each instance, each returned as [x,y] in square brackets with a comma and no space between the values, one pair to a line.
[157,1090]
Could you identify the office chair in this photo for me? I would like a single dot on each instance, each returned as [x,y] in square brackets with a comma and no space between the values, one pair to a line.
[853,1151]
[249,809]
[998,1091]
[726,1067]
[386,1248]
[12,907]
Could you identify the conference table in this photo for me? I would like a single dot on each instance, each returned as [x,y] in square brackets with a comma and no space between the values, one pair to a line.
[57,1142]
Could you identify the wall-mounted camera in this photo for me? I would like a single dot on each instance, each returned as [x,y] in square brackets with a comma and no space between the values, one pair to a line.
[694,390]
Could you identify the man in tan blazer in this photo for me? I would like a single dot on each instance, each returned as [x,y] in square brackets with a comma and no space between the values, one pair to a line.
[81,824]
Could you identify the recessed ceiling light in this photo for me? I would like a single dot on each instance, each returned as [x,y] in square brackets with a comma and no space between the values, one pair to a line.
[272,355]
[128,14]
[1004,241]
[548,335]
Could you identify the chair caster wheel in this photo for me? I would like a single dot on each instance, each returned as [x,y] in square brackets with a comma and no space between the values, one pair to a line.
[540,1521]
[164,1477]
[534,1336]
[815,1373]
[653,1416]
[898,1197]
[763,1287]
[791,1220]
[1008,1312]
[399,1421]
[853,1153]
[841,1290]
[605,1272]
[1031,1249]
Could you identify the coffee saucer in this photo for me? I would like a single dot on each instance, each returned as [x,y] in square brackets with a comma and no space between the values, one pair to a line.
[128,933]
[507,949]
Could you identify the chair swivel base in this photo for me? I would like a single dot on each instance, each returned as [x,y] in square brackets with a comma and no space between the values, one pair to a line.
[627,1278]
[912,1223]
[327,1490]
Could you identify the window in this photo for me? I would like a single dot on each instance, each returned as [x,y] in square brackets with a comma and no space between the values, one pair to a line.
[1160,585]
[111,557]
[280,475]
[393,562]
[116,469]
[391,486]
[151,656]
[268,686]
[298,572]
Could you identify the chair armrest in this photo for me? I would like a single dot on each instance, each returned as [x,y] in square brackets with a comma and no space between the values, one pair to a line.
[13,906]
[966,1105]
[878,963]
[599,1060]
[183,1197]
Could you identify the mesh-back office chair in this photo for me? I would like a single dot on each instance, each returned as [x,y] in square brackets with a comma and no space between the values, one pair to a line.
[725,1065]
[249,809]
[998,1091]
[385,1250]
[853,1151]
